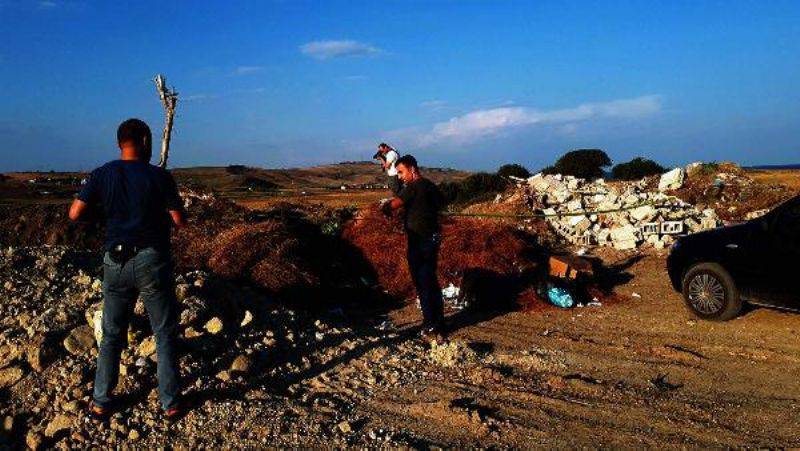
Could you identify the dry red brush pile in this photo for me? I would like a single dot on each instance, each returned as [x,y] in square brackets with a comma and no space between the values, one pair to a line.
[467,244]
[266,253]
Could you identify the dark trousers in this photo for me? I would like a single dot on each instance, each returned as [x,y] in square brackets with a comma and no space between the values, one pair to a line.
[395,185]
[422,263]
[149,274]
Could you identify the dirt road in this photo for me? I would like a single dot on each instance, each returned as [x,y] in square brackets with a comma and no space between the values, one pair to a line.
[642,372]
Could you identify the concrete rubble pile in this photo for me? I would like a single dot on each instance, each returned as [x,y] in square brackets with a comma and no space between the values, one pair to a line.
[624,215]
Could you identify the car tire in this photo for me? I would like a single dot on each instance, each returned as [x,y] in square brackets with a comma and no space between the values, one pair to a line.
[710,292]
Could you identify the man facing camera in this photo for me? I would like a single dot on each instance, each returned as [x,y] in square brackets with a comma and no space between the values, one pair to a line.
[141,205]
[422,201]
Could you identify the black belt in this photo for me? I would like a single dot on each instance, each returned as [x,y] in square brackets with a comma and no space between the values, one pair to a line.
[121,253]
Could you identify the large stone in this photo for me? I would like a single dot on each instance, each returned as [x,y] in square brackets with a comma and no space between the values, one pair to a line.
[80,341]
[643,213]
[10,376]
[61,422]
[624,237]
[672,179]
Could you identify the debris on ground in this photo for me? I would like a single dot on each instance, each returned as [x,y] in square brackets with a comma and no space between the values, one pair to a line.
[653,211]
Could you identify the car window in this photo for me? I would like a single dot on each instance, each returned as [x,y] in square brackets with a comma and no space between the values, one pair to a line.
[787,225]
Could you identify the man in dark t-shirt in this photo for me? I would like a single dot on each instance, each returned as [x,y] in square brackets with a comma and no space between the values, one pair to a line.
[422,201]
[141,205]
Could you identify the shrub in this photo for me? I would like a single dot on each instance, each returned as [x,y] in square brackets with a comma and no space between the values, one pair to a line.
[472,189]
[636,169]
[236,169]
[582,163]
[513,170]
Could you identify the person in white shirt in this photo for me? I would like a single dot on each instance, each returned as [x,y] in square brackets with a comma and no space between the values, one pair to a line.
[389,158]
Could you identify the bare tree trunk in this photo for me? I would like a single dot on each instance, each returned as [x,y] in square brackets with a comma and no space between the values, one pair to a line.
[169,98]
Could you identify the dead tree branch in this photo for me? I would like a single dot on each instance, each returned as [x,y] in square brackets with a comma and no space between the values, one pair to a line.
[169,98]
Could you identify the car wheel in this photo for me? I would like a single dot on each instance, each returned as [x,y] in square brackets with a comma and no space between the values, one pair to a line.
[710,293]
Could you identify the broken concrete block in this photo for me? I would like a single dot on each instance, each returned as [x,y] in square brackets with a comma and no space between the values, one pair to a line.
[645,212]
[580,224]
[624,237]
[574,206]
[672,180]
[650,228]
[671,227]
[707,223]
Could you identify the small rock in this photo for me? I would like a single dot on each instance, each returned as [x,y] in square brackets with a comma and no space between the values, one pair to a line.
[34,440]
[36,355]
[80,341]
[214,326]
[8,424]
[344,427]
[182,291]
[248,318]
[224,376]
[241,364]
[10,376]
[133,435]
[61,422]
[147,347]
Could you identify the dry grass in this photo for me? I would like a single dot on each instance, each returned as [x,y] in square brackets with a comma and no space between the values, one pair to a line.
[787,177]
[330,199]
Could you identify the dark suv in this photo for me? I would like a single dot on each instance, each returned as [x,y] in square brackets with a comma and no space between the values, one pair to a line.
[757,261]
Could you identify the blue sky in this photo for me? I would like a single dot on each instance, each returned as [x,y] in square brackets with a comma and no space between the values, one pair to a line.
[470,84]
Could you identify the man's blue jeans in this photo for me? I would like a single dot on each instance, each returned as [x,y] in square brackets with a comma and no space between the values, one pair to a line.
[149,274]
[422,263]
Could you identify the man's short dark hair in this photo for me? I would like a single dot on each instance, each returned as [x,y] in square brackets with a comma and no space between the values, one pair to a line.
[408,161]
[135,131]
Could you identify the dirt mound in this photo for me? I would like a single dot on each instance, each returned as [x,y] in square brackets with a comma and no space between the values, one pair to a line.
[727,189]
[36,225]
[268,253]
[471,249]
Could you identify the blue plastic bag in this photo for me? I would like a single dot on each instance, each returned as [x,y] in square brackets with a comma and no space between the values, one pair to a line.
[560,297]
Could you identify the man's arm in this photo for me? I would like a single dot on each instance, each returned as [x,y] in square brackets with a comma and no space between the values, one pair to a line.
[77,209]
[174,202]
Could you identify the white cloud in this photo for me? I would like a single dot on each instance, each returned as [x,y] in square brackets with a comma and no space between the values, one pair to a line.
[247,70]
[482,123]
[355,78]
[434,105]
[324,50]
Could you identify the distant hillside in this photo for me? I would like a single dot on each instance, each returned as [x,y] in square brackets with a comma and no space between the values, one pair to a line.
[775,166]
[240,178]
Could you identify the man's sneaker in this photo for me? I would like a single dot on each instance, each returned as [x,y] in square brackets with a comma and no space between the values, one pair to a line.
[176,412]
[98,413]
[431,334]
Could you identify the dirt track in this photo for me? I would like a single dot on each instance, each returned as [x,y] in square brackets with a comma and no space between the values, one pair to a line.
[590,377]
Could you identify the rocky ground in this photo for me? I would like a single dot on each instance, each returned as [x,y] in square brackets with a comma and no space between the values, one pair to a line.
[640,371]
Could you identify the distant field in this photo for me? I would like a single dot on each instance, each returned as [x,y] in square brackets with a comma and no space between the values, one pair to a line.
[331,199]
[787,177]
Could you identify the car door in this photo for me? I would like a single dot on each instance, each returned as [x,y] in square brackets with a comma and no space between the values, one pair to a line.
[777,254]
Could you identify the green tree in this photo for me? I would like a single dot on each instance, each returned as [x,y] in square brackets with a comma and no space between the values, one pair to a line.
[513,170]
[637,168]
[583,163]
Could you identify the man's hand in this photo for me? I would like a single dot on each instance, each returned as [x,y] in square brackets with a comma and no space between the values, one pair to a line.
[77,209]
[178,218]
[391,204]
